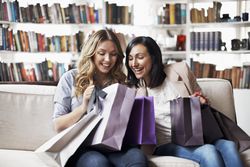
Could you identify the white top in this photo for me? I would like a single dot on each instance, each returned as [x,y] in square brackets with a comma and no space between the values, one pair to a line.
[162,96]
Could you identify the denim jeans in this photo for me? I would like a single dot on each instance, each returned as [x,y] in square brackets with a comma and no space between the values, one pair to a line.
[219,154]
[132,157]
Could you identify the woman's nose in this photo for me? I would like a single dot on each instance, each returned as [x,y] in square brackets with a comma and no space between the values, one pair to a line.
[107,57]
[134,63]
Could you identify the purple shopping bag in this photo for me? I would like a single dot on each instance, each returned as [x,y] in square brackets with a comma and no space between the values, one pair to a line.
[186,121]
[141,126]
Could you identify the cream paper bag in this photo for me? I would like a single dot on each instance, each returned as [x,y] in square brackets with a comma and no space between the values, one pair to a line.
[63,145]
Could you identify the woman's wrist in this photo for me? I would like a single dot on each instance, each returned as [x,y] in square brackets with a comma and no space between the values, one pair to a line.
[202,98]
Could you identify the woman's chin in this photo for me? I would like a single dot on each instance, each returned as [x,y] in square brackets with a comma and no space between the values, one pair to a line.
[139,76]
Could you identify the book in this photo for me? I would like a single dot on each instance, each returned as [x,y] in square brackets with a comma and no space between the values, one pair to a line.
[194,13]
[211,41]
[217,41]
[1,37]
[11,40]
[177,13]
[202,41]
[183,13]
[192,40]
[206,41]
[166,19]
[172,14]
[197,41]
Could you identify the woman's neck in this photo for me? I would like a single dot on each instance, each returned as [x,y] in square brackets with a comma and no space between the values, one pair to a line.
[102,80]
[147,81]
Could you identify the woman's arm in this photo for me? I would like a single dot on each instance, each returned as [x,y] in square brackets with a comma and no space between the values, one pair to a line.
[191,83]
[65,121]
[197,91]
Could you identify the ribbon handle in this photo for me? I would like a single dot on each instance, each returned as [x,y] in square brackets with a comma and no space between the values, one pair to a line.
[95,99]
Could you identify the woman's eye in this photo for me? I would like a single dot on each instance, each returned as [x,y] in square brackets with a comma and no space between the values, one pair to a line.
[140,57]
[113,54]
[101,53]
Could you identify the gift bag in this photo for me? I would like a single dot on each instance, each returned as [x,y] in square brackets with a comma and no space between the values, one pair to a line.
[116,109]
[186,121]
[141,126]
[63,145]
[232,131]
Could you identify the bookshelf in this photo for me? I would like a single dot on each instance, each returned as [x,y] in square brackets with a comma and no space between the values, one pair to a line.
[231,64]
[32,33]
[172,30]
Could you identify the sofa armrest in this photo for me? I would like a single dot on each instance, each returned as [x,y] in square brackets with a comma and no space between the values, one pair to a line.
[220,95]
[26,115]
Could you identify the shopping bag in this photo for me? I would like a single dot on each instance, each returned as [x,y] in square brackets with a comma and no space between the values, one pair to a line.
[211,128]
[186,121]
[116,109]
[232,131]
[63,145]
[141,125]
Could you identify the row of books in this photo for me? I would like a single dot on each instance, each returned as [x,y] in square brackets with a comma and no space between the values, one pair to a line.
[173,13]
[37,42]
[213,14]
[85,13]
[239,76]
[35,72]
[205,41]
[82,13]
[116,14]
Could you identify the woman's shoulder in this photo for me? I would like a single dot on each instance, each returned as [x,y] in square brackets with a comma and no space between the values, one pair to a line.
[69,74]
[177,65]
[68,77]
[175,70]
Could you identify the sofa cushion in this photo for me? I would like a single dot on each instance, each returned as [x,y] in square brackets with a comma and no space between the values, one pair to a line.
[245,156]
[169,161]
[26,116]
[15,158]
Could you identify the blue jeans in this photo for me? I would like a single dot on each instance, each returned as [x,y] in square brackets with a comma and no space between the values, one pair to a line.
[219,154]
[133,157]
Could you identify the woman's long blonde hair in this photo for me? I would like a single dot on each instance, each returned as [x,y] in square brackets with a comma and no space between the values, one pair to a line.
[86,67]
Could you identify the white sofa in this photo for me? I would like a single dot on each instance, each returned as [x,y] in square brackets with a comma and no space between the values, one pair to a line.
[25,123]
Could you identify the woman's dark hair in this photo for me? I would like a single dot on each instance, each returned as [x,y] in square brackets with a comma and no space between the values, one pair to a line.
[157,74]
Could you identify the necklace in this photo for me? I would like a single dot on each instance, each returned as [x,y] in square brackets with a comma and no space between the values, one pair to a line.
[103,83]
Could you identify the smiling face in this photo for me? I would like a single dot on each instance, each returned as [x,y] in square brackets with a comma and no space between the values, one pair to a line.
[140,62]
[105,57]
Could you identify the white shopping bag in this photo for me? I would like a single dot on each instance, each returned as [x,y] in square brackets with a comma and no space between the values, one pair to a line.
[63,145]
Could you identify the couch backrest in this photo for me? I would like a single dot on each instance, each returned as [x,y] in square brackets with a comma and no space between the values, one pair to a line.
[220,95]
[26,115]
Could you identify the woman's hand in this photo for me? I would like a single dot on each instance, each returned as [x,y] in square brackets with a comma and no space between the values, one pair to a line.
[69,119]
[87,94]
[203,100]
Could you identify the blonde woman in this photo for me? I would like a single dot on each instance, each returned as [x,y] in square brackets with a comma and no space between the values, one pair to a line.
[100,64]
